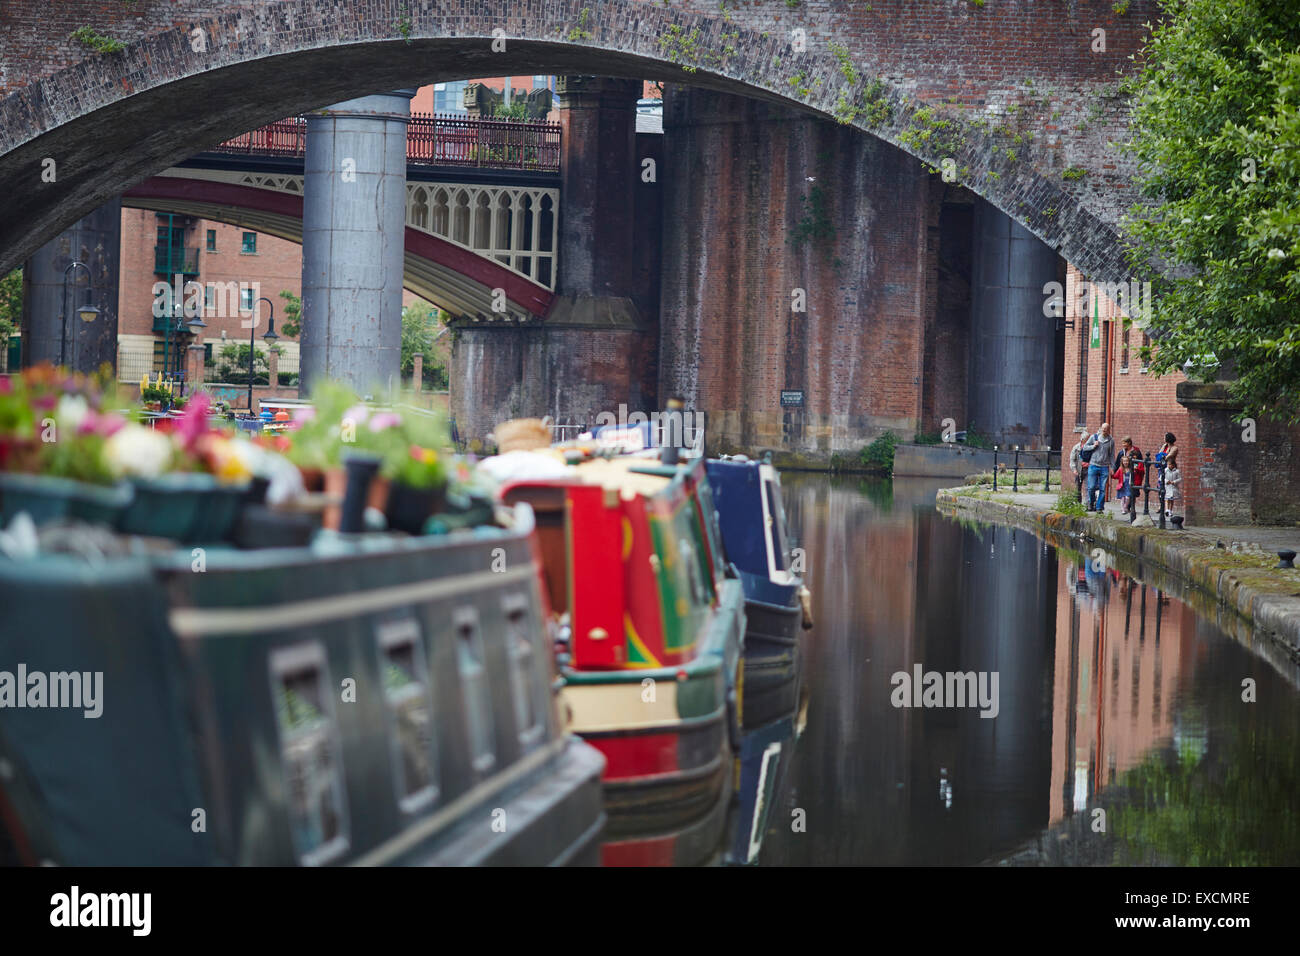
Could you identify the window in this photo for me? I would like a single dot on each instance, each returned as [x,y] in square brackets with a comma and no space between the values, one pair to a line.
[474,688]
[527,677]
[209,297]
[410,710]
[212,240]
[1123,354]
[250,244]
[245,300]
[310,752]
[449,97]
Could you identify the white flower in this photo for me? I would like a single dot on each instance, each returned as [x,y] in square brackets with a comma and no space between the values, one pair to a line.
[71,410]
[1276,254]
[139,451]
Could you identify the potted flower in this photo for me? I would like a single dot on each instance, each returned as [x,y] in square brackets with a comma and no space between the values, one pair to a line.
[156,398]
[417,488]
[53,429]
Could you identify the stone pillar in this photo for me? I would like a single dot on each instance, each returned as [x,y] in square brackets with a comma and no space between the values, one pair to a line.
[273,364]
[599,176]
[597,346]
[1013,387]
[53,330]
[353,238]
[194,367]
[417,375]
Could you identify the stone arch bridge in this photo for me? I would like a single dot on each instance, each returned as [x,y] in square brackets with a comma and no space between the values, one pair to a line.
[1020,96]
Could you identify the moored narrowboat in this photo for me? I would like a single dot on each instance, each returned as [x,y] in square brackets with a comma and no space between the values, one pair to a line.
[757,542]
[652,638]
[368,699]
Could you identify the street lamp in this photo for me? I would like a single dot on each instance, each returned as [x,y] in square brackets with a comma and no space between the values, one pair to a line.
[87,312]
[194,326]
[270,338]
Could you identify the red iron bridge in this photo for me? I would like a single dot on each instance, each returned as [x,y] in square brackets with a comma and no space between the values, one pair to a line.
[431,140]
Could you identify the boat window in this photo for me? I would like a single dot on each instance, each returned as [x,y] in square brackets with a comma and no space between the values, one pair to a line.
[527,681]
[474,687]
[410,708]
[713,529]
[776,522]
[310,752]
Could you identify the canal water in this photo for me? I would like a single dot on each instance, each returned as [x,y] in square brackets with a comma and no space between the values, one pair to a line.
[1121,733]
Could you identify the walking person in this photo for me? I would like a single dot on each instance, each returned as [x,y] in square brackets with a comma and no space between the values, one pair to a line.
[1129,475]
[1101,451]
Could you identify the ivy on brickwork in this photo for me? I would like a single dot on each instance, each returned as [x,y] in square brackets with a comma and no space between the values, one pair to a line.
[930,134]
[580,32]
[1073,173]
[815,224]
[403,24]
[93,40]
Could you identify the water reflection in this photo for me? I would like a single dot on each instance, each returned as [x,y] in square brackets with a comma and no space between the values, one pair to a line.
[1112,697]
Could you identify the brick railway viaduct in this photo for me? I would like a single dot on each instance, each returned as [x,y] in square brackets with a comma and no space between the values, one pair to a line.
[795,171]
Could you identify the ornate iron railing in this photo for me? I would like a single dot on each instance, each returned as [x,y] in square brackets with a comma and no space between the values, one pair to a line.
[431,140]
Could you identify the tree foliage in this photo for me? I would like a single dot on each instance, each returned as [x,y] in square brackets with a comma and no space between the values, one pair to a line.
[291,324]
[1216,125]
[11,305]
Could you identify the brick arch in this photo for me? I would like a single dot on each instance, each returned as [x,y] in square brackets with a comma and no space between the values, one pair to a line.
[111,120]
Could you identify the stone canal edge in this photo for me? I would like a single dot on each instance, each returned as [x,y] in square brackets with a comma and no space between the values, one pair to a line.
[1267,599]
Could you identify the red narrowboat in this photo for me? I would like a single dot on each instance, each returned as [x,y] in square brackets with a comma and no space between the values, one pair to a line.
[651,637]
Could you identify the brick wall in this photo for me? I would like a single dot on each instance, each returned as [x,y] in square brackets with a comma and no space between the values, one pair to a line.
[1025,72]
[740,177]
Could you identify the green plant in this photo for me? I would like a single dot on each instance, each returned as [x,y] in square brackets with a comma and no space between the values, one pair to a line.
[1073,173]
[879,455]
[1068,504]
[1216,139]
[580,32]
[96,41]
[815,224]
[1121,7]
[291,324]
[403,24]
[11,305]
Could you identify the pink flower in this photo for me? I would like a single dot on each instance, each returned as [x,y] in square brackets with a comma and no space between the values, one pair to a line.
[194,420]
[385,420]
[304,413]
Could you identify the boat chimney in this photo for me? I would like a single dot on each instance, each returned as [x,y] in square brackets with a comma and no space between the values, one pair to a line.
[670,431]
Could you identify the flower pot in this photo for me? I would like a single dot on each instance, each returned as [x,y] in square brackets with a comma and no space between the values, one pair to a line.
[409,508]
[167,506]
[313,479]
[216,514]
[46,499]
[335,486]
[259,527]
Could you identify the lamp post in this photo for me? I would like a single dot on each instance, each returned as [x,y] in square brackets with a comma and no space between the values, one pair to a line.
[270,338]
[88,312]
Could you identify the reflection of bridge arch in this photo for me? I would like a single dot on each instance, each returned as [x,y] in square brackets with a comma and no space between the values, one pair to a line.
[463,240]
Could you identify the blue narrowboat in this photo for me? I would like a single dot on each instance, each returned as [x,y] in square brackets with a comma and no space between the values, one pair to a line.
[756,538]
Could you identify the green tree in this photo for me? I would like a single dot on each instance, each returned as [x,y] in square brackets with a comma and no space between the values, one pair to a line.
[1216,120]
[291,324]
[419,324]
[11,305]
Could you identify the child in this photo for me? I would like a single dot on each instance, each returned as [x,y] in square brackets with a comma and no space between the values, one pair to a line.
[1173,488]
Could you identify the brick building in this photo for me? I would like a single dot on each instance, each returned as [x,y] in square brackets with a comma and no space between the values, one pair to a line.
[1234,472]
